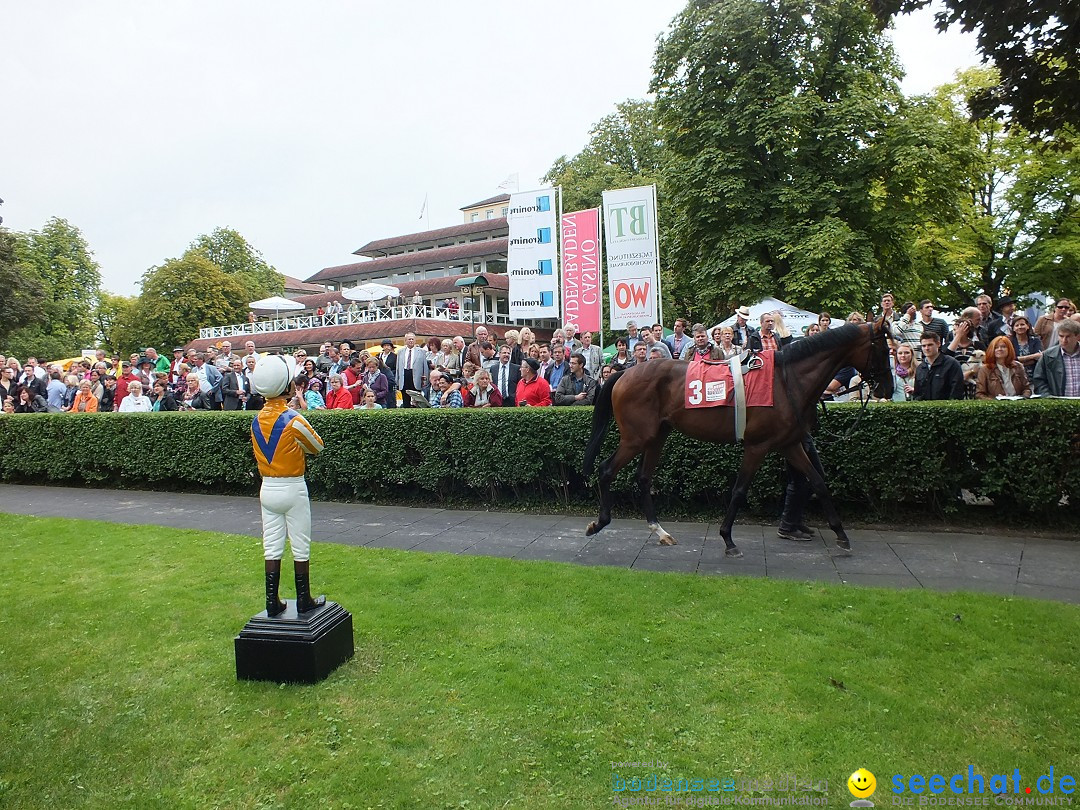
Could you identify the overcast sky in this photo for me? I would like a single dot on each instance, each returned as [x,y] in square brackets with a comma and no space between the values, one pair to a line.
[312,128]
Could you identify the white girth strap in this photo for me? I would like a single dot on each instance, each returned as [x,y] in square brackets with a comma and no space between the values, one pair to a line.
[735,363]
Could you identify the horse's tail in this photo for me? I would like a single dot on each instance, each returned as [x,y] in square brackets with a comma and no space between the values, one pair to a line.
[601,421]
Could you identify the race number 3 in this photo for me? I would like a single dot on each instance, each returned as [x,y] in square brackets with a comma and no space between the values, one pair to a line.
[695,392]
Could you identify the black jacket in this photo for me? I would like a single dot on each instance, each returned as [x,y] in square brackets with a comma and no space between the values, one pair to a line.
[942,380]
[513,377]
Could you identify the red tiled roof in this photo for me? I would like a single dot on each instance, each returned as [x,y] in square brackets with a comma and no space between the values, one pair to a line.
[488,201]
[468,229]
[360,333]
[423,258]
[296,285]
[426,286]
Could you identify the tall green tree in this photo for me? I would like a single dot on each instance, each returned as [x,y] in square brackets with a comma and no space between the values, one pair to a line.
[184,294]
[119,327]
[57,259]
[784,163]
[21,295]
[624,150]
[1019,228]
[238,258]
[1035,46]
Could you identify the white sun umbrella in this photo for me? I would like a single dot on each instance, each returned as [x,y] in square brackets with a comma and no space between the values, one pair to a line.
[276,303]
[795,319]
[370,292]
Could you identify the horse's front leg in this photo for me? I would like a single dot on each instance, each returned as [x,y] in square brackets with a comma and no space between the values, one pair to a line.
[753,455]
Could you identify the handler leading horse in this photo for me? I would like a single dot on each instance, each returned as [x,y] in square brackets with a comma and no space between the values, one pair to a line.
[648,400]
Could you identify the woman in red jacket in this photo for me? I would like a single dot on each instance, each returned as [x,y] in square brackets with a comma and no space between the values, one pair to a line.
[338,396]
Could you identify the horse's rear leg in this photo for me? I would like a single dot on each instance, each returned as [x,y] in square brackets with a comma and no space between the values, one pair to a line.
[796,456]
[622,456]
[650,459]
[751,460]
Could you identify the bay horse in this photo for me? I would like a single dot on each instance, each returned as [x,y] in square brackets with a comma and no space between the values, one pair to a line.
[648,401]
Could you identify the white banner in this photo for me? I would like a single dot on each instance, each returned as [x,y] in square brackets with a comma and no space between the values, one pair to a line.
[532,257]
[632,256]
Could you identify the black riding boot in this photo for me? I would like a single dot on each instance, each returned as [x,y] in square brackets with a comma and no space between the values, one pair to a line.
[304,602]
[274,606]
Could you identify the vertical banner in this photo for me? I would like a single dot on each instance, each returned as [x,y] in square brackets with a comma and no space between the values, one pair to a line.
[581,269]
[532,255]
[632,256]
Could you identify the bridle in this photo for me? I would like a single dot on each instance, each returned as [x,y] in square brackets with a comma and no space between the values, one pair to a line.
[870,381]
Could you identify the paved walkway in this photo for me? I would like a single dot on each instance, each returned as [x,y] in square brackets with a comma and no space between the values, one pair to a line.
[1045,569]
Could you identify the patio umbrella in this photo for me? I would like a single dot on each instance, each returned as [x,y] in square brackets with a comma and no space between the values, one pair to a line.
[276,303]
[370,292]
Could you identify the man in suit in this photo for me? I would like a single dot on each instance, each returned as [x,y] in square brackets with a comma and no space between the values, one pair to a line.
[390,361]
[505,376]
[209,380]
[594,358]
[234,387]
[412,368]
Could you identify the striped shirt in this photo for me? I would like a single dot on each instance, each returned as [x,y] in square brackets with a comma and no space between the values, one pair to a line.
[281,438]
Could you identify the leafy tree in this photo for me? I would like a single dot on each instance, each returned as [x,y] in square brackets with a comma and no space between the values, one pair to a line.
[788,168]
[58,260]
[233,254]
[184,294]
[624,150]
[1019,229]
[1034,44]
[20,294]
[120,330]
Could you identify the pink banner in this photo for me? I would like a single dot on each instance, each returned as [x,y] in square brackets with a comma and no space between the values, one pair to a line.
[581,296]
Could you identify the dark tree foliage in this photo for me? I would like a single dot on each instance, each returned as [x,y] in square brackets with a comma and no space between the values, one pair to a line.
[1034,44]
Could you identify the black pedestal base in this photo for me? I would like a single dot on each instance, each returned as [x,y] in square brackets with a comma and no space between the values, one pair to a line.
[294,648]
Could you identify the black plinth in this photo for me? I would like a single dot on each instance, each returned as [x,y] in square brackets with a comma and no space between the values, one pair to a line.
[294,648]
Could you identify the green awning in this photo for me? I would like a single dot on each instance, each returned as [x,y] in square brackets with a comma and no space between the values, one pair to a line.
[473,281]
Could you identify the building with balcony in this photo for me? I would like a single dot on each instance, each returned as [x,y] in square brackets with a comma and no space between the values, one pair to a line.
[426,267]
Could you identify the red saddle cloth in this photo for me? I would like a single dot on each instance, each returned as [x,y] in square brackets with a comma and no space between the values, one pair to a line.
[711,384]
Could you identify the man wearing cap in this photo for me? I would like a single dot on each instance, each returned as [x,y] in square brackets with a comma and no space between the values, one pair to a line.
[390,361]
[743,329]
[533,390]
[122,382]
[282,439]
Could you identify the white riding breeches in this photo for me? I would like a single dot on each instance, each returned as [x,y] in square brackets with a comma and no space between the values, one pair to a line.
[286,510]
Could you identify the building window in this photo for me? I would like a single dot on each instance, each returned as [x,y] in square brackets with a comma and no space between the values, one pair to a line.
[506,210]
[491,213]
[475,216]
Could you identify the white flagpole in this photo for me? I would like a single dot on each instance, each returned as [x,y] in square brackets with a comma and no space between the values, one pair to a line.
[656,249]
[600,273]
[558,264]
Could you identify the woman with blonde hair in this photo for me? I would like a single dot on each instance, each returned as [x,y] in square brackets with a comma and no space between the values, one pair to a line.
[85,401]
[1000,375]
[527,339]
[904,366]
[512,338]
[725,349]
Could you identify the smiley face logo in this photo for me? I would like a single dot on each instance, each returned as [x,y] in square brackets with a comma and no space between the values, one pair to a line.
[862,784]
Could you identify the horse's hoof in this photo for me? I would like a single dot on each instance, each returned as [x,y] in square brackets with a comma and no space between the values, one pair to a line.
[844,545]
[733,552]
[591,529]
[668,540]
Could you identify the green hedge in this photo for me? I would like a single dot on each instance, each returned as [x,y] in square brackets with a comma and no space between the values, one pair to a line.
[1024,455]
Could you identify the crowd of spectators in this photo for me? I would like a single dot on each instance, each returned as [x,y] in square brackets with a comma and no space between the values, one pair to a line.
[988,352]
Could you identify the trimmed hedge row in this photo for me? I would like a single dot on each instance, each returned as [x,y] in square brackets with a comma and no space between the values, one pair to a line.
[1024,455]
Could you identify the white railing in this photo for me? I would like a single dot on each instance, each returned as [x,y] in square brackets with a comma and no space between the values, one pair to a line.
[362,315]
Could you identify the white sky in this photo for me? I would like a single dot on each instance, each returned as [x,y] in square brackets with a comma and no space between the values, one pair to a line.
[312,128]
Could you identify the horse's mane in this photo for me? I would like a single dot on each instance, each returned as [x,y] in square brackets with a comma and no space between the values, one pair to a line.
[816,344]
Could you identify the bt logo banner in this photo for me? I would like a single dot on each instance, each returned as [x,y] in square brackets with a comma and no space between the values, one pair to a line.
[632,255]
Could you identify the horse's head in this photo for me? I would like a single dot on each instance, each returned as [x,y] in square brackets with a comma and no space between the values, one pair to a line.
[879,372]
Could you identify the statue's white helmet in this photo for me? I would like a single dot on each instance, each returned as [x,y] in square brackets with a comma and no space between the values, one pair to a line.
[273,374]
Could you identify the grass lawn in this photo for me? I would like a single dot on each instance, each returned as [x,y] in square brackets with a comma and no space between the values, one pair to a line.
[493,683]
